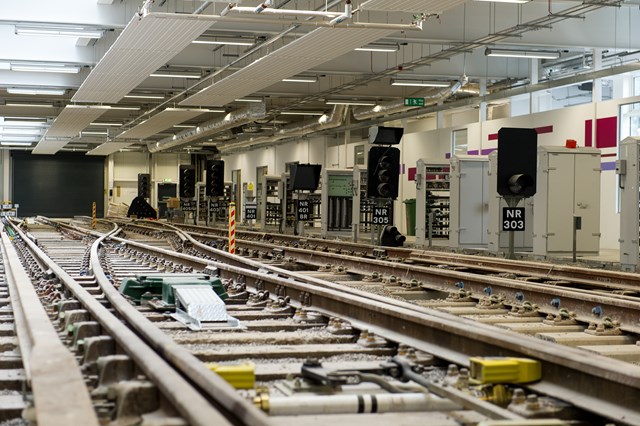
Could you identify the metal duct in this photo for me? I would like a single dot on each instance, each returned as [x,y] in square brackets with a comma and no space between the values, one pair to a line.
[335,119]
[392,107]
[233,119]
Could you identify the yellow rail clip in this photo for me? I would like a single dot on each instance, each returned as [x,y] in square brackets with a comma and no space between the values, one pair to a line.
[241,376]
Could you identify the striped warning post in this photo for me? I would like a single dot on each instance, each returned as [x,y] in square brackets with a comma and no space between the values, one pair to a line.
[232,227]
[94,221]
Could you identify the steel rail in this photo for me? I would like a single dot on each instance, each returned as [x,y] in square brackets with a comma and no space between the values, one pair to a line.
[569,373]
[576,274]
[51,369]
[187,401]
[590,381]
[587,305]
[223,395]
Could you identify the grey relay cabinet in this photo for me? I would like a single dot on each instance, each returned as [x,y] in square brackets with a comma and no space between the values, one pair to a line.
[568,186]
[469,201]
[629,170]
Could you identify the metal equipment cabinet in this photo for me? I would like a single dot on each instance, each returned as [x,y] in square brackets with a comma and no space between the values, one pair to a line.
[628,169]
[568,185]
[432,196]
[340,201]
[269,195]
[498,240]
[469,201]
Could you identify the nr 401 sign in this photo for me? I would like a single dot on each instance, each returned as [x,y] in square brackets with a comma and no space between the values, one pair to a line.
[513,218]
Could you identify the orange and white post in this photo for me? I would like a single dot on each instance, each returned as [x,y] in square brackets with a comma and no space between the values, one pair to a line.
[93,216]
[232,227]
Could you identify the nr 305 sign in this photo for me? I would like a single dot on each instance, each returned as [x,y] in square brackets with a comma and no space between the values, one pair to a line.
[513,218]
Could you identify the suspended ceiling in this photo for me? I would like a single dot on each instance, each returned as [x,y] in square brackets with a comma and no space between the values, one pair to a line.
[263,51]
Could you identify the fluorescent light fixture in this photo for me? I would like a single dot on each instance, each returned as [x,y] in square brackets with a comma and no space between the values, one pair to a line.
[46,68]
[125,108]
[302,113]
[15,143]
[249,100]
[379,48]
[144,96]
[94,133]
[105,124]
[341,102]
[301,79]
[505,1]
[26,91]
[10,131]
[420,83]
[11,104]
[529,54]
[58,32]
[11,123]
[224,42]
[28,139]
[176,75]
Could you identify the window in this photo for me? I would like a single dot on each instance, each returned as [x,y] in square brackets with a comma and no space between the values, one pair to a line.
[459,142]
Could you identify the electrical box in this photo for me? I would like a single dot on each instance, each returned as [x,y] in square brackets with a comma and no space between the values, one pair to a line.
[497,239]
[568,187]
[339,211]
[629,184]
[469,201]
[432,201]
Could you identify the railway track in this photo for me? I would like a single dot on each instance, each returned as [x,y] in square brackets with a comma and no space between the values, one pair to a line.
[332,323]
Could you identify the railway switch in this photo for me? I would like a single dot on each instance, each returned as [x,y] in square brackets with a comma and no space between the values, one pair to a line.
[159,286]
[504,370]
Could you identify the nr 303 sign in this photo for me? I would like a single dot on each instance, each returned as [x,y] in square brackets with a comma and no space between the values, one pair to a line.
[513,218]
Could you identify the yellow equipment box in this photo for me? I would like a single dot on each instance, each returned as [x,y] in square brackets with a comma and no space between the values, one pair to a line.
[504,370]
[241,376]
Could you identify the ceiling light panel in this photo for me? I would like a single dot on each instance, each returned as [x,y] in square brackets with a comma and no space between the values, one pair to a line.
[160,122]
[315,48]
[109,148]
[73,119]
[411,5]
[145,45]
[49,147]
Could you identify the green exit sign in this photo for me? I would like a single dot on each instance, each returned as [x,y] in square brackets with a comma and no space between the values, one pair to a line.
[413,101]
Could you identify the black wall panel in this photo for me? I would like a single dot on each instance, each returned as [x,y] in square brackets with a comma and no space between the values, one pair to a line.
[61,185]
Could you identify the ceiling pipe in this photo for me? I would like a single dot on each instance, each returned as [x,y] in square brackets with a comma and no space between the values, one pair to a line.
[336,118]
[233,119]
[396,106]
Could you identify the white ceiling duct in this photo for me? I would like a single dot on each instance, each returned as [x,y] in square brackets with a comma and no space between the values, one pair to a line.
[73,119]
[312,49]
[330,121]
[392,107]
[161,121]
[427,6]
[146,44]
[108,148]
[234,119]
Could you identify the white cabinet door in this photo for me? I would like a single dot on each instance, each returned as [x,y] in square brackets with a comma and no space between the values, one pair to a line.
[560,202]
[587,201]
